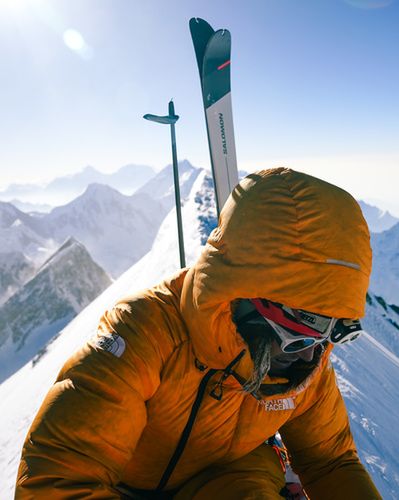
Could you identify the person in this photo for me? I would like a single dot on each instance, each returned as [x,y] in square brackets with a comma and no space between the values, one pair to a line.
[184,384]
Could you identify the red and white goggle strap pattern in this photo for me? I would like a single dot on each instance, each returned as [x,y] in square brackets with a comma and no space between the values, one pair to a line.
[276,314]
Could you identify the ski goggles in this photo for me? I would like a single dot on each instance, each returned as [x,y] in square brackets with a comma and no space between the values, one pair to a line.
[297,329]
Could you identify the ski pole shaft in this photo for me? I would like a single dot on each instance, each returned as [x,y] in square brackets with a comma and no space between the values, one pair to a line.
[177,188]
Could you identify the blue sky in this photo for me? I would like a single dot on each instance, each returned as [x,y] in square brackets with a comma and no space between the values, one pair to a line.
[314,82]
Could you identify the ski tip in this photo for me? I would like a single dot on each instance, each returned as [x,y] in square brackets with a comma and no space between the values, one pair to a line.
[223,32]
[197,20]
[199,23]
[194,22]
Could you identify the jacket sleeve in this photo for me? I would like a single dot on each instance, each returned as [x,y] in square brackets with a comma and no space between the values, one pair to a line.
[321,445]
[91,420]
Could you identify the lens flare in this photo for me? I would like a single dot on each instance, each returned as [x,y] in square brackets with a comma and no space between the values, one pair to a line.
[75,42]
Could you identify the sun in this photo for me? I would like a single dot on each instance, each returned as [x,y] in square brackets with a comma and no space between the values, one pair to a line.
[19,6]
[74,40]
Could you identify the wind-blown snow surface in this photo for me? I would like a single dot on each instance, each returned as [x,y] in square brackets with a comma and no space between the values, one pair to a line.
[367,376]
[382,320]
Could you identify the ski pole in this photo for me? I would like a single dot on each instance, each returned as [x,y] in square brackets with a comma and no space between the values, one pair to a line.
[171,119]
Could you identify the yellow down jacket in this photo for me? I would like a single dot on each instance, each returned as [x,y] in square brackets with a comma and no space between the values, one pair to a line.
[119,406]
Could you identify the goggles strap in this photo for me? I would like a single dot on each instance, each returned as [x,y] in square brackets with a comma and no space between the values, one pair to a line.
[274,313]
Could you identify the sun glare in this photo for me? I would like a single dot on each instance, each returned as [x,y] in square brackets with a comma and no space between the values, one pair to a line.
[18,5]
[75,42]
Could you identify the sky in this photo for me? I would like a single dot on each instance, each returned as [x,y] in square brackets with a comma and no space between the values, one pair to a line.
[314,87]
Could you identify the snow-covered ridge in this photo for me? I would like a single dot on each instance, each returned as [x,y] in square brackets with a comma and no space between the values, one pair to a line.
[377,219]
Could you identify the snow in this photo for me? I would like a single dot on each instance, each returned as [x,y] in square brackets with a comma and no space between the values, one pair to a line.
[378,220]
[367,372]
[64,285]
[385,274]
[382,321]
[116,229]
[370,391]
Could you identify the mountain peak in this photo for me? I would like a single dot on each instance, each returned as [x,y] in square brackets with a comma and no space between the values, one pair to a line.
[377,219]
[98,188]
[69,242]
[69,245]
[9,214]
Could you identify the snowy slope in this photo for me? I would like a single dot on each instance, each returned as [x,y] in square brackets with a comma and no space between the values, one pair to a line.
[385,275]
[378,220]
[9,215]
[116,229]
[367,374]
[161,186]
[368,377]
[15,270]
[18,233]
[61,288]
[382,321]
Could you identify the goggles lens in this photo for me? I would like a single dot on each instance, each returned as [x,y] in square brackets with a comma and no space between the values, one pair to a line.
[290,341]
[298,345]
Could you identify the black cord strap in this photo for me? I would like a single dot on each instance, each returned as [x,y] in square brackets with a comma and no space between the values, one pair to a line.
[186,431]
[191,419]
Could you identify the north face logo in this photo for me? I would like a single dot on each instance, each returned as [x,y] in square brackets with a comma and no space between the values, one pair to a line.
[279,404]
[111,342]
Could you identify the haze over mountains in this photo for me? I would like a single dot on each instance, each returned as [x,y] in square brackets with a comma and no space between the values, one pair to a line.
[128,180]
[116,229]
[61,190]
[367,370]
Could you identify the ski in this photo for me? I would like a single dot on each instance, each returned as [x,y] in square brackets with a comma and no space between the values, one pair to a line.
[213,49]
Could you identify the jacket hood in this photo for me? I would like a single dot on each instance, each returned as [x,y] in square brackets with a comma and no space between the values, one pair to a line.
[285,236]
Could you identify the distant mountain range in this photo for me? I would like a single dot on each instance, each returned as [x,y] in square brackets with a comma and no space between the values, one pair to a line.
[64,189]
[102,227]
[116,229]
[377,219]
